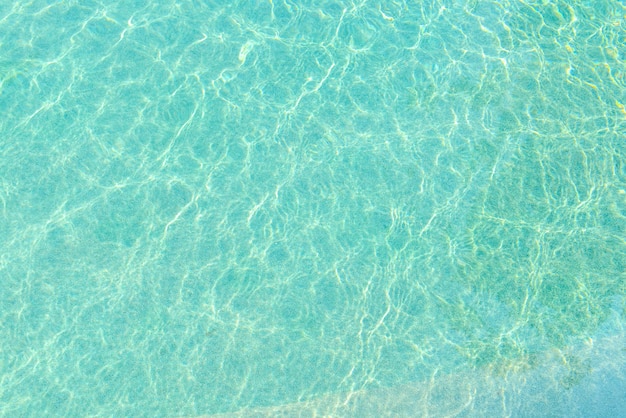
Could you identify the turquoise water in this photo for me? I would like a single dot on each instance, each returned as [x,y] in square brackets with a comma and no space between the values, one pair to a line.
[375,208]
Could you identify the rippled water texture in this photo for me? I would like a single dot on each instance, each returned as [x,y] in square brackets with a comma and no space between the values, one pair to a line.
[375,208]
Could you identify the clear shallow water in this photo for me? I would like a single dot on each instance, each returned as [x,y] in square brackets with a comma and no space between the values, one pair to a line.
[208,208]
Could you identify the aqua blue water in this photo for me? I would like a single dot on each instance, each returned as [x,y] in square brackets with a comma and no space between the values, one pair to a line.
[375,208]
